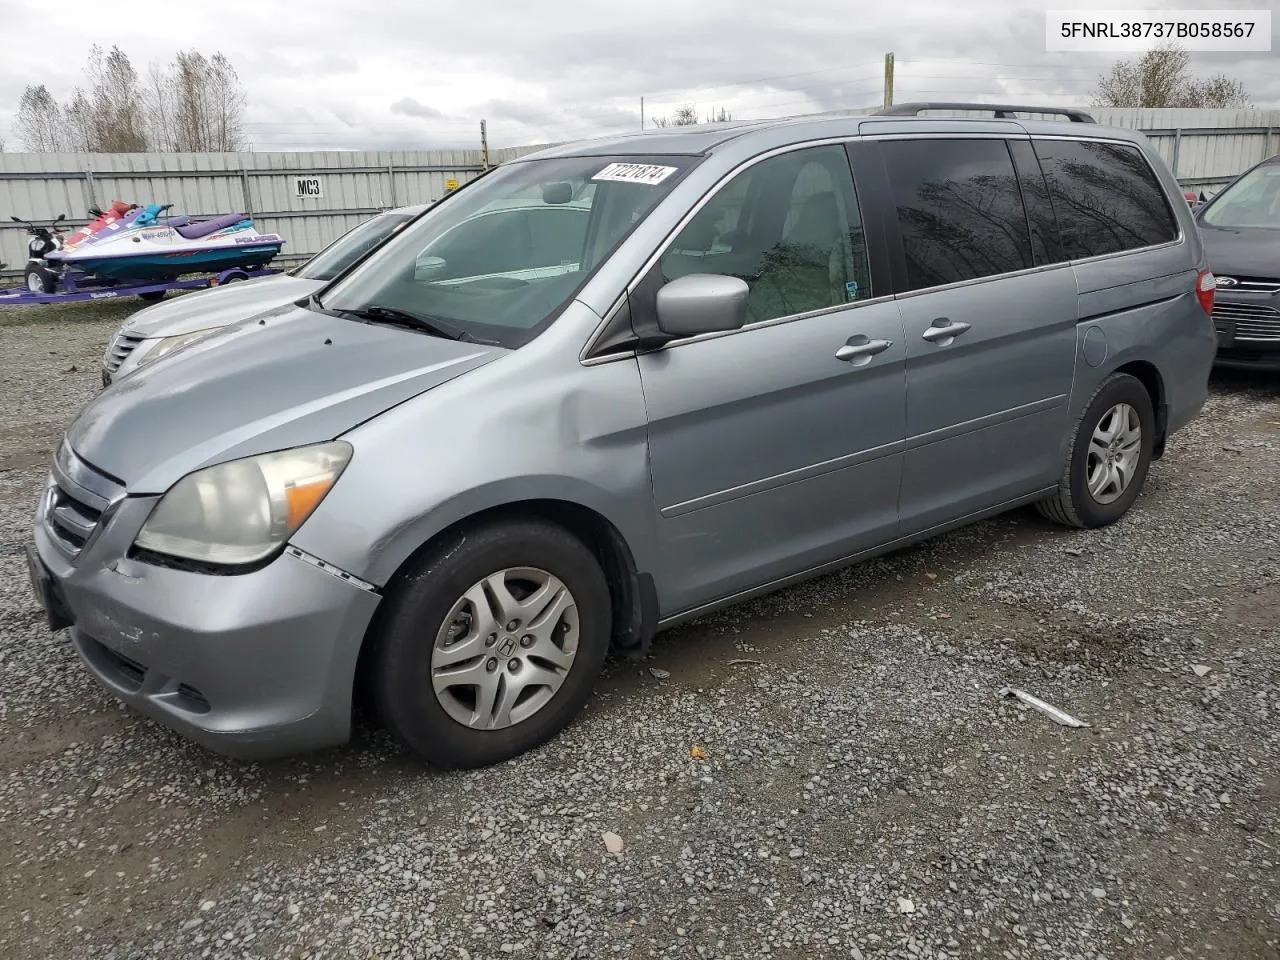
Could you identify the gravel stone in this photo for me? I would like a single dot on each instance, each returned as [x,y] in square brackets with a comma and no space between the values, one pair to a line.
[813,759]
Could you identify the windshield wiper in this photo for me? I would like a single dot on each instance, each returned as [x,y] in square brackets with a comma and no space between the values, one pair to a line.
[402,318]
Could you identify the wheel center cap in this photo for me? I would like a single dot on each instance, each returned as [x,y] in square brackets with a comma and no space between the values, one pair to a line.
[507,646]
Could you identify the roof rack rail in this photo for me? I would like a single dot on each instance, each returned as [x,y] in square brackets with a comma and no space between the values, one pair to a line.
[1001,110]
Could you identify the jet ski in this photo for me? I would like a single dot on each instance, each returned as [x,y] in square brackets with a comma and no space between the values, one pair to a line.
[131,242]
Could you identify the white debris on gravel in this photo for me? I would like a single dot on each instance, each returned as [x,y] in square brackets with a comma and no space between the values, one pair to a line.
[861,791]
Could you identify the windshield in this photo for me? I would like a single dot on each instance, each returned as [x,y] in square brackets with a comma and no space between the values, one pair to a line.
[1251,202]
[352,245]
[498,260]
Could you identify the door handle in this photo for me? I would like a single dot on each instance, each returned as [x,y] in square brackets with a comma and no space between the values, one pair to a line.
[865,348]
[945,329]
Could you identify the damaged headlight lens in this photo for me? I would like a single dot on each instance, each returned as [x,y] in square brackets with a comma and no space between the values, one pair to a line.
[244,510]
[166,345]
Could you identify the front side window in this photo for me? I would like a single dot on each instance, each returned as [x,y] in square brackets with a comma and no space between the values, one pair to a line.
[498,260]
[790,227]
[960,210]
[1106,197]
[1252,202]
[351,246]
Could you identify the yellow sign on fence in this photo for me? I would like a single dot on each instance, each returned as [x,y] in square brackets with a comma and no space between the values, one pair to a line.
[451,184]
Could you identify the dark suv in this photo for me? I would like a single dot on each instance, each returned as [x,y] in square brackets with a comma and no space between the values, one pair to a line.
[1241,231]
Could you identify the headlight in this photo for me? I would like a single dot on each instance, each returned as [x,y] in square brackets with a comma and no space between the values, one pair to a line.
[166,345]
[242,511]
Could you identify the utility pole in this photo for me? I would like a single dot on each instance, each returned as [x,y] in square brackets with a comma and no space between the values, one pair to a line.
[484,143]
[888,79]
[642,113]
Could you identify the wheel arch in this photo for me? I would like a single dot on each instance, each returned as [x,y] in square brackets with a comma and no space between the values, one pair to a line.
[632,592]
[1148,374]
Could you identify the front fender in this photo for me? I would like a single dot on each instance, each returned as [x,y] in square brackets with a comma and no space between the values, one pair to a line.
[535,425]
[389,555]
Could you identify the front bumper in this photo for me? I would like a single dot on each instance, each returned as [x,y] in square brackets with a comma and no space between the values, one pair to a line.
[251,666]
[1248,329]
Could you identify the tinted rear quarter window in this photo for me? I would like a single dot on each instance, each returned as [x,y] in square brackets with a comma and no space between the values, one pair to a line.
[1106,196]
[960,211]
[1045,241]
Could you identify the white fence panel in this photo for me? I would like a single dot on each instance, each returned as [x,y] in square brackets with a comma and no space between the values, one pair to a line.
[341,188]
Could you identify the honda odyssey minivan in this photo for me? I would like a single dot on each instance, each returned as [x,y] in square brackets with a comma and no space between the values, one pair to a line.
[450,481]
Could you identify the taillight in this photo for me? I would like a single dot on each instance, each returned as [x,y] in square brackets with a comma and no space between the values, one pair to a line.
[1206,285]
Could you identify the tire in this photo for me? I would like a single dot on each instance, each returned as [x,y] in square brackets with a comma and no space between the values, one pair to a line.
[1074,505]
[37,280]
[452,729]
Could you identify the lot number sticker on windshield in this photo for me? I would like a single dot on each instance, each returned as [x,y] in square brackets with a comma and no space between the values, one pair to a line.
[647,173]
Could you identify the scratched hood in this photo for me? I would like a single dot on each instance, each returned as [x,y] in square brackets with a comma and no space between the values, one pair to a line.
[289,377]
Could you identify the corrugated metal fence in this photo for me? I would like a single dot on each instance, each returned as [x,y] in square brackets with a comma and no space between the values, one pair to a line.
[1205,149]
[351,187]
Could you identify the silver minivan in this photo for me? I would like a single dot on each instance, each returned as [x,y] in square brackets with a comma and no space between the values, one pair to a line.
[448,484]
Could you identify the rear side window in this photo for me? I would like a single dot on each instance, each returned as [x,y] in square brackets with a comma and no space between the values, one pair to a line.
[1106,196]
[960,210]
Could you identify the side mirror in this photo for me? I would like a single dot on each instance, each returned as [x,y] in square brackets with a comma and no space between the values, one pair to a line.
[427,269]
[702,303]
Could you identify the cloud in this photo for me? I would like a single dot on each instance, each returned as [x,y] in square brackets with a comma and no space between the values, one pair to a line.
[333,77]
[410,107]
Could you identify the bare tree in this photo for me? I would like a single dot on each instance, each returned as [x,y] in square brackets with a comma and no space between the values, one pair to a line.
[40,122]
[108,118]
[1161,77]
[687,116]
[1217,93]
[195,104]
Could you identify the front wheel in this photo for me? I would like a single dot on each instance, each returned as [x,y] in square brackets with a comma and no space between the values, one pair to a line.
[1109,457]
[38,280]
[493,644]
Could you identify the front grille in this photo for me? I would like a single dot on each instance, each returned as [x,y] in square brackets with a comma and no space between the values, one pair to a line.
[1249,284]
[77,501]
[121,346]
[1252,321]
[70,519]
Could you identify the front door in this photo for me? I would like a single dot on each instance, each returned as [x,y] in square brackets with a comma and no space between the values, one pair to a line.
[778,447]
[990,339]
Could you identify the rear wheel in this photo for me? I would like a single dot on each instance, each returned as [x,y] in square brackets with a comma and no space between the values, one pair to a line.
[1109,457]
[493,644]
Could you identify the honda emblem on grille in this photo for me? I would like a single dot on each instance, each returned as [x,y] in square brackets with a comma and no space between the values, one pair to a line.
[1227,281]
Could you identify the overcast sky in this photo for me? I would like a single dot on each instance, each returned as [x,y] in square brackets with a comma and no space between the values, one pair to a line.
[328,74]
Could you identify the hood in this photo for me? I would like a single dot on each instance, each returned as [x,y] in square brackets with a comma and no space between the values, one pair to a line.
[289,377]
[218,306]
[1242,252]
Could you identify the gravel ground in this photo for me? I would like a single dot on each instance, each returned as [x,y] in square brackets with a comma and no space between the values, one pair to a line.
[829,772]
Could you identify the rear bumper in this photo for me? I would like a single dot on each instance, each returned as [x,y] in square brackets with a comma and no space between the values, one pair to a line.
[251,666]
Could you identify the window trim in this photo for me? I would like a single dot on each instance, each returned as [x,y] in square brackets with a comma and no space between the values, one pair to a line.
[621,306]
